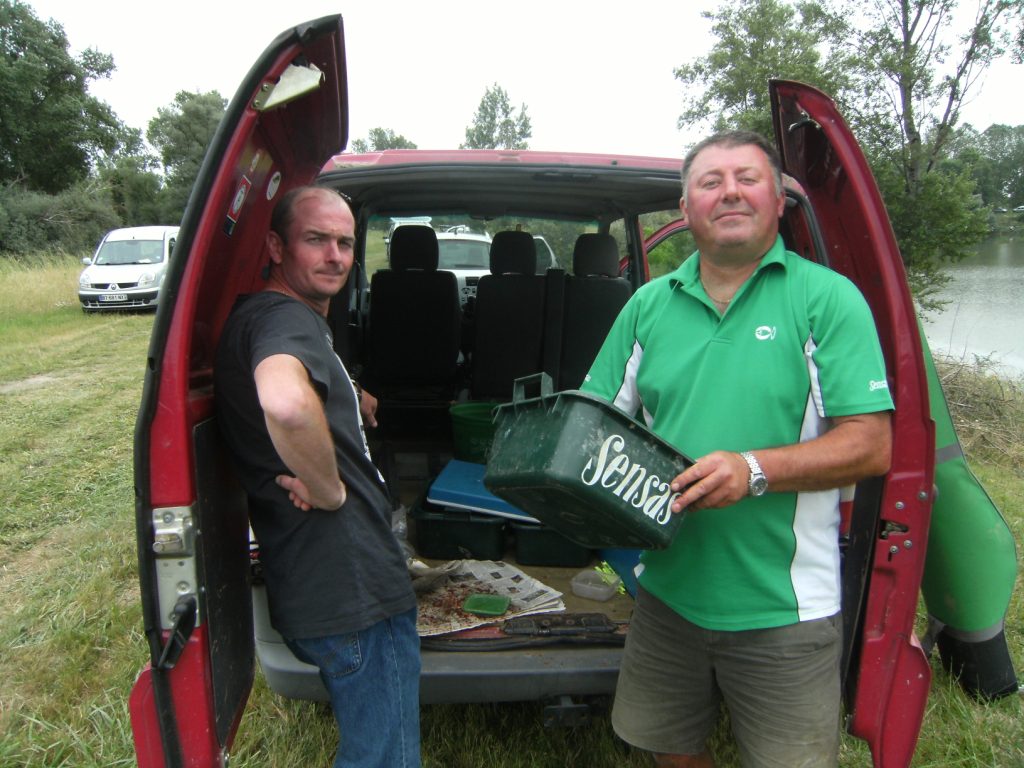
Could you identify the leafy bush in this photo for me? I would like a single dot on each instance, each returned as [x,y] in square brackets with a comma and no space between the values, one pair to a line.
[72,220]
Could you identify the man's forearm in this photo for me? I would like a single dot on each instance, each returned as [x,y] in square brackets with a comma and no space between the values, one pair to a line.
[298,429]
[856,447]
[308,453]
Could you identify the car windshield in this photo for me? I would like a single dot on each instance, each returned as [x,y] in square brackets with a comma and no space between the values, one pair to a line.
[130,252]
[463,254]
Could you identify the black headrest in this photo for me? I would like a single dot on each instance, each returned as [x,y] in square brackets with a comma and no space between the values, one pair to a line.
[413,246]
[595,254]
[515,252]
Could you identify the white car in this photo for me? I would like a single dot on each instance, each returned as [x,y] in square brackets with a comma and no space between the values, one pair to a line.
[467,254]
[127,270]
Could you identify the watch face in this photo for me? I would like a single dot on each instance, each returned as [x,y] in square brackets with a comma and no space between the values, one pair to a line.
[758,485]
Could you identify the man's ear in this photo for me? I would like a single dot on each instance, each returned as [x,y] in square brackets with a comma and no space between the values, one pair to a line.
[275,246]
[682,208]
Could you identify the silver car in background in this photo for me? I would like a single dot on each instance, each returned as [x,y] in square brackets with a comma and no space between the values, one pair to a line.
[127,270]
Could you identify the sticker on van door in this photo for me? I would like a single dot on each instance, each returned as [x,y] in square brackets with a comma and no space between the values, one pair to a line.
[273,185]
[236,205]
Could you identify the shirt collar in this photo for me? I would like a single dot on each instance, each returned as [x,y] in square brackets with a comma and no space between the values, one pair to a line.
[687,274]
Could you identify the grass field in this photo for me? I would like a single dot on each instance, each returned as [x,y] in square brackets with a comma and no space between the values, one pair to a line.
[70,622]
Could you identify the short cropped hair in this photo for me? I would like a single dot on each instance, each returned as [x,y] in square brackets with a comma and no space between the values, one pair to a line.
[730,139]
[284,212]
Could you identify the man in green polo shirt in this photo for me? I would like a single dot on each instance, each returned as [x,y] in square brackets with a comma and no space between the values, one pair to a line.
[768,368]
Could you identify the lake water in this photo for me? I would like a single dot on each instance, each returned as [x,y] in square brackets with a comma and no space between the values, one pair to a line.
[985,313]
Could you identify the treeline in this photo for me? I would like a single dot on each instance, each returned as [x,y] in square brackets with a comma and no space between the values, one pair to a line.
[994,159]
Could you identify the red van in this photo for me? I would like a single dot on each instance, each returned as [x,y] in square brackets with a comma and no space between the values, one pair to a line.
[285,127]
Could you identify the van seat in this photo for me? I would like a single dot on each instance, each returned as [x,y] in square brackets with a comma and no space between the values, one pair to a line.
[594,295]
[414,322]
[509,322]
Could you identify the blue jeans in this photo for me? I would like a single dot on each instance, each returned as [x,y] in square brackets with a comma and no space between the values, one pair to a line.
[373,678]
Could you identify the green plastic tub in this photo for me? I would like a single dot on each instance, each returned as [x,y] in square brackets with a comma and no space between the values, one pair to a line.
[585,468]
[472,430]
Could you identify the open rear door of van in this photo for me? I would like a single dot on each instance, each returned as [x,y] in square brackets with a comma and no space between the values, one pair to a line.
[888,675]
[286,120]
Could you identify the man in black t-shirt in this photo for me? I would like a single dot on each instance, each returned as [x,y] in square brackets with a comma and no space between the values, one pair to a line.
[337,584]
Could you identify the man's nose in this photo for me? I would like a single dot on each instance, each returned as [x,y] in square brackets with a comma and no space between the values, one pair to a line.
[730,187]
[334,252]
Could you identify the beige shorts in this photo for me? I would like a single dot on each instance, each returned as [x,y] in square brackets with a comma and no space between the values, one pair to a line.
[780,685]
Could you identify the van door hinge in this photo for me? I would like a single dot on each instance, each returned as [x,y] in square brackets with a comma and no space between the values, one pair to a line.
[173,532]
[174,545]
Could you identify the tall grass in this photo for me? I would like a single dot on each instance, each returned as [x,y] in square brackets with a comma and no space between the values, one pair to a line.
[31,288]
[70,622]
[987,410]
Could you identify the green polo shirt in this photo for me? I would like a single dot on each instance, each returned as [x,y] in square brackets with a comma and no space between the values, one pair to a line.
[797,346]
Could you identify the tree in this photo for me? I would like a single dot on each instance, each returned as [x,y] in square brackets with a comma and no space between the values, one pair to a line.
[966,155]
[380,139]
[994,158]
[900,79]
[924,77]
[181,133]
[135,190]
[496,126]
[920,78]
[51,130]
[1003,148]
[759,40]
[940,222]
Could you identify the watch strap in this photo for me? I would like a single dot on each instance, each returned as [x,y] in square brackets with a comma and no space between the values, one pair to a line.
[757,482]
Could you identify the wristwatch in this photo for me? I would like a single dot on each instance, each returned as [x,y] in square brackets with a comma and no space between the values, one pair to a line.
[758,482]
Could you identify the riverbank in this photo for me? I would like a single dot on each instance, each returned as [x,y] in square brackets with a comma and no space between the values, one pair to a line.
[1006,224]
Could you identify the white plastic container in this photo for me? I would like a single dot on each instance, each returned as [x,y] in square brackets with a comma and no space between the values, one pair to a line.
[595,585]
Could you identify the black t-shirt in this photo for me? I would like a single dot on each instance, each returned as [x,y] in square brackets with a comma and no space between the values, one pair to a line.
[326,572]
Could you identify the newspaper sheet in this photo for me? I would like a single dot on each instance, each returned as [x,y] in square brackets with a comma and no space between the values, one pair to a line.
[442,590]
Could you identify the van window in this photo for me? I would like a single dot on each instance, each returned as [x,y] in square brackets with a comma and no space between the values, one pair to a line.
[464,241]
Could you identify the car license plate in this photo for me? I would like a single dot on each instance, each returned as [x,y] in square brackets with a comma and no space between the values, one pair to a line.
[113,297]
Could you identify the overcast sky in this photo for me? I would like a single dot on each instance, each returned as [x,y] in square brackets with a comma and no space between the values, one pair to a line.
[595,75]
